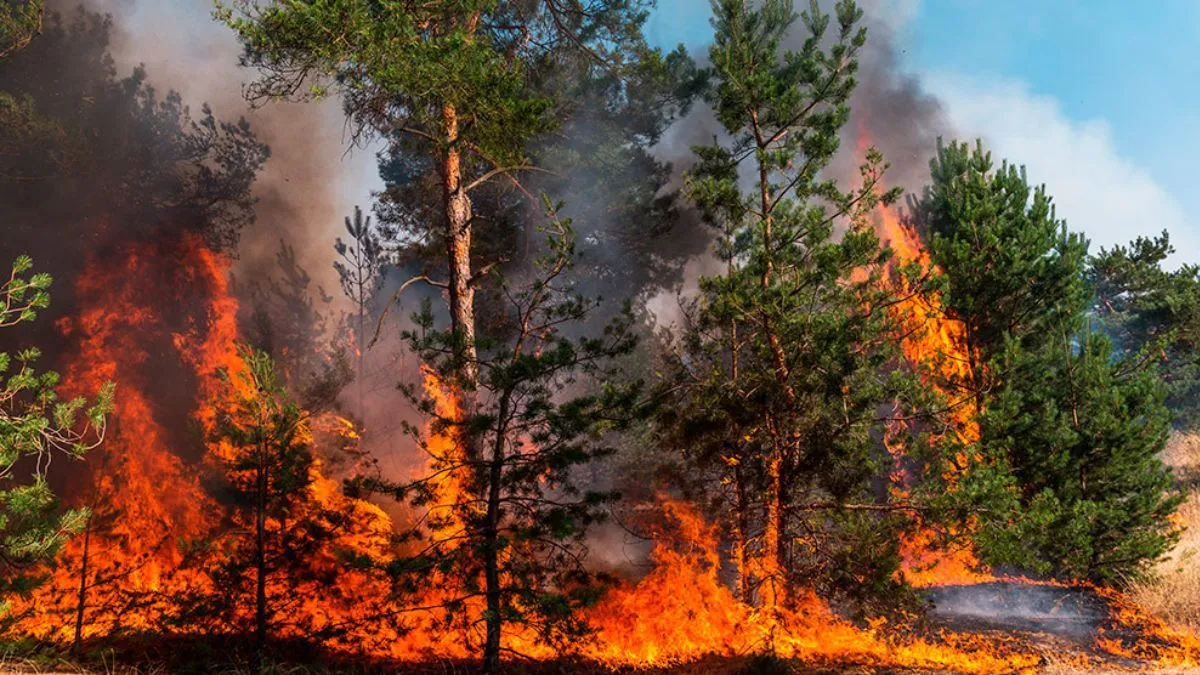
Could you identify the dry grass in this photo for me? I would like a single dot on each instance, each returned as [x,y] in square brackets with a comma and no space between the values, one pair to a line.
[1174,595]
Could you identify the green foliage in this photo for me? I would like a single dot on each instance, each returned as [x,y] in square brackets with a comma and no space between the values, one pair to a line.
[279,533]
[35,426]
[512,72]
[1012,270]
[1154,314]
[1082,439]
[1069,431]
[501,492]
[791,354]
[399,65]
[20,20]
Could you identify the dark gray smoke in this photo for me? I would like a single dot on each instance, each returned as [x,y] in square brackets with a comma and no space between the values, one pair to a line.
[904,120]
[311,181]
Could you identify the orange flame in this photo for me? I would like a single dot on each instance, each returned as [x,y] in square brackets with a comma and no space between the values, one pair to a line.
[681,611]
[148,501]
[933,342]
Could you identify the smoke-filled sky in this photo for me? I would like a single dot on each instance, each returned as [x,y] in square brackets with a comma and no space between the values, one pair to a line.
[1093,97]
[313,179]
[1097,99]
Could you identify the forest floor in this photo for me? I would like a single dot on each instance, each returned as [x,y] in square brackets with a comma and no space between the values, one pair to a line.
[1060,625]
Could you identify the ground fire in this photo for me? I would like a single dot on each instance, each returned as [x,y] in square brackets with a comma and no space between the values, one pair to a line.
[639,363]
[121,574]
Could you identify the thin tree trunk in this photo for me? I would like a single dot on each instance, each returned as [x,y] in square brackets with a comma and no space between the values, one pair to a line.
[362,325]
[81,604]
[491,546]
[260,561]
[741,534]
[775,592]
[741,501]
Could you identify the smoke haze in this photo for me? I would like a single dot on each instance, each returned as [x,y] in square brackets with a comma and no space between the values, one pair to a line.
[313,178]
[902,118]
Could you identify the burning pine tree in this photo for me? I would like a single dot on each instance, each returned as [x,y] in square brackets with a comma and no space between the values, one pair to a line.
[850,413]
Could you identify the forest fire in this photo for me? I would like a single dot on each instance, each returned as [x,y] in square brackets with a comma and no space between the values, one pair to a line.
[934,340]
[154,518]
[159,528]
[936,345]
[838,450]
[682,611]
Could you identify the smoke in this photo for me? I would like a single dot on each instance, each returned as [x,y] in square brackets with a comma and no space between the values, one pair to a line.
[892,105]
[1067,612]
[903,118]
[313,178]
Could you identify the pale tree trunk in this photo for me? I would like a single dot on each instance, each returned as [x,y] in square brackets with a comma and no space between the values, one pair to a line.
[457,203]
[458,248]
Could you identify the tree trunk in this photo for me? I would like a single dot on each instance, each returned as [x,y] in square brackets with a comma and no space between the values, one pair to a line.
[260,562]
[81,605]
[774,583]
[491,547]
[458,247]
[361,346]
[775,591]
[741,534]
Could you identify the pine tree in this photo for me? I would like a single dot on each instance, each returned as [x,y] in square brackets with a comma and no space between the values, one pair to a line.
[1012,270]
[510,522]
[359,272]
[793,354]
[279,552]
[35,427]
[20,21]
[1071,429]
[1153,312]
[1081,432]
[450,77]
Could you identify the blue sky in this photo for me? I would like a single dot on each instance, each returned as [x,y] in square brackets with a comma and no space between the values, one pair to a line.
[1099,98]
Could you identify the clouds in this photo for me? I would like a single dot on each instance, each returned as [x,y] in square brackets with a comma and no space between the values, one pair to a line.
[1097,190]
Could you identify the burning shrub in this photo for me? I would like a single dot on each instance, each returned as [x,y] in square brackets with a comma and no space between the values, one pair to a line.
[278,566]
[1072,428]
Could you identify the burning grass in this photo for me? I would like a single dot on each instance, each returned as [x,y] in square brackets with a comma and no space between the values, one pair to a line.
[682,617]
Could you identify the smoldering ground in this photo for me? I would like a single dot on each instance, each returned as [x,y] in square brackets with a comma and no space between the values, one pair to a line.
[1069,612]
